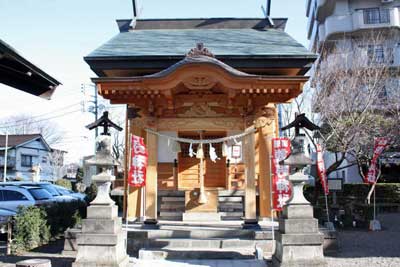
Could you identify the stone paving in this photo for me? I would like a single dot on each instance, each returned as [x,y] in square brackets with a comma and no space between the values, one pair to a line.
[359,248]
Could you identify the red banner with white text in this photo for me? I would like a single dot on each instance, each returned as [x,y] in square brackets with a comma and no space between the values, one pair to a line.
[139,157]
[321,169]
[379,145]
[280,173]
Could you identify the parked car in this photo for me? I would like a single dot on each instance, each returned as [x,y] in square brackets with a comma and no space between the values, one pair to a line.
[66,192]
[5,216]
[12,196]
[56,196]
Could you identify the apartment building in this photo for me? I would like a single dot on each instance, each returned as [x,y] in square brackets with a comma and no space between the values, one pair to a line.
[355,22]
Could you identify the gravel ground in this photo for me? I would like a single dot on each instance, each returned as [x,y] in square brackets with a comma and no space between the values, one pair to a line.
[358,248]
[364,248]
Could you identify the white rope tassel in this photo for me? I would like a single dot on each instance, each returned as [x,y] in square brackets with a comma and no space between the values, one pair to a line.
[213,154]
[191,152]
[224,149]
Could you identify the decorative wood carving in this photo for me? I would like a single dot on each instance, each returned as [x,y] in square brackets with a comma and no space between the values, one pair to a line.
[199,50]
[200,110]
[199,82]
[191,124]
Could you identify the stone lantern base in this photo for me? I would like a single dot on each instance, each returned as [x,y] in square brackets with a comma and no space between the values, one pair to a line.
[102,241]
[299,242]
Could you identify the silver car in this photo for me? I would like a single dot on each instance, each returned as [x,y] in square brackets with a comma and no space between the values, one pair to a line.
[11,196]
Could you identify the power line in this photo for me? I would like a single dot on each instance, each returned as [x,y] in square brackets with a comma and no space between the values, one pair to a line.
[46,119]
[44,114]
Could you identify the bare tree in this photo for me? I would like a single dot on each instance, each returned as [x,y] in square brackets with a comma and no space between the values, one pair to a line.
[356,97]
[26,124]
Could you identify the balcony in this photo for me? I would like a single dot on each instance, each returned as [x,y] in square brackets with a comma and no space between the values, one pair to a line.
[376,18]
[358,20]
[10,162]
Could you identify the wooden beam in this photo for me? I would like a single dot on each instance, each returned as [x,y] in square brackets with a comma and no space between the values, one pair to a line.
[151,180]
[250,186]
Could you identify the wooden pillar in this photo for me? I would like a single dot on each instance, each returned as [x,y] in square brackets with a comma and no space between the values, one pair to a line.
[134,197]
[250,187]
[151,180]
[265,132]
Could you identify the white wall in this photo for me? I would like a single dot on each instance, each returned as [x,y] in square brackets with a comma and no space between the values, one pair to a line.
[165,154]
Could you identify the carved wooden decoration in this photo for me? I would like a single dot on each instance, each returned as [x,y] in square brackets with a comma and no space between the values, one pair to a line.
[199,50]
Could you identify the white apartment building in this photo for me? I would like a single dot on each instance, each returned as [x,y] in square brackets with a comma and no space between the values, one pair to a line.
[333,22]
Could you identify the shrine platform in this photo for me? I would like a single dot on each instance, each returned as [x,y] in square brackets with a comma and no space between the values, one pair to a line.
[199,240]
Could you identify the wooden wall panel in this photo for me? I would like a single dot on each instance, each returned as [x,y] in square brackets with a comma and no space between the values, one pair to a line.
[165,177]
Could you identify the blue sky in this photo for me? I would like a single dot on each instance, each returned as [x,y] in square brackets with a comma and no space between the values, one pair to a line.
[57,34]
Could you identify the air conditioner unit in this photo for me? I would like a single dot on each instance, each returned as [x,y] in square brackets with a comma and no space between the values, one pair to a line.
[387,1]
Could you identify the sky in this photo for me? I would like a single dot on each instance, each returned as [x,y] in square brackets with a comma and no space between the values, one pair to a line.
[55,35]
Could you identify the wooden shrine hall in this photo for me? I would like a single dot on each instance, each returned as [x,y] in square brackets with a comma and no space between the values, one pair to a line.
[202,79]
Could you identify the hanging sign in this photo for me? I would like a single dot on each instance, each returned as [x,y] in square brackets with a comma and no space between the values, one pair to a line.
[379,145]
[236,151]
[280,183]
[321,170]
[139,156]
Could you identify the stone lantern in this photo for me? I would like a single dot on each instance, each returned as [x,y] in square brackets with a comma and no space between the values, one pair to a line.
[102,241]
[298,243]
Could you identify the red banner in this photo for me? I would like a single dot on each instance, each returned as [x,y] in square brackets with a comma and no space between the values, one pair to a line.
[379,145]
[139,156]
[321,169]
[280,183]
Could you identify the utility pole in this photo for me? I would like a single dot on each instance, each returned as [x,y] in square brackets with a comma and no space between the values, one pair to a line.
[5,158]
[95,108]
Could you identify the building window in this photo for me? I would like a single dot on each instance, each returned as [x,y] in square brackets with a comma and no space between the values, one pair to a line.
[26,161]
[376,16]
[44,160]
[376,53]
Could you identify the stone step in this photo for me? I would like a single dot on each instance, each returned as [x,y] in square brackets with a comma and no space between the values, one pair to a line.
[232,214]
[199,234]
[161,254]
[170,214]
[200,262]
[230,193]
[230,205]
[172,205]
[170,218]
[173,199]
[230,199]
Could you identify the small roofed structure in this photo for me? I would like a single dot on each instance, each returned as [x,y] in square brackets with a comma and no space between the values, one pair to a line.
[18,72]
[301,121]
[104,122]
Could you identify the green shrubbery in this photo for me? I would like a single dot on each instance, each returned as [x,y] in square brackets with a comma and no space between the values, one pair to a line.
[34,226]
[64,183]
[62,215]
[30,229]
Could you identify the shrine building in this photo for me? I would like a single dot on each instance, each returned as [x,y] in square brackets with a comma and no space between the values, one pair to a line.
[201,79]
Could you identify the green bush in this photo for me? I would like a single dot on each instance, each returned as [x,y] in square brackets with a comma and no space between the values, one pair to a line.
[91,192]
[63,215]
[30,229]
[64,183]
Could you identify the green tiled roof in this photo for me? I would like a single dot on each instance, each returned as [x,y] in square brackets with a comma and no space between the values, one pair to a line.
[221,42]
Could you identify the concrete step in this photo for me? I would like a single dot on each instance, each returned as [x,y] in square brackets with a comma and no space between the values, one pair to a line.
[170,205]
[230,205]
[173,199]
[184,232]
[232,214]
[230,199]
[170,214]
[159,254]
[170,218]
[199,263]
[230,193]
[185,243]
